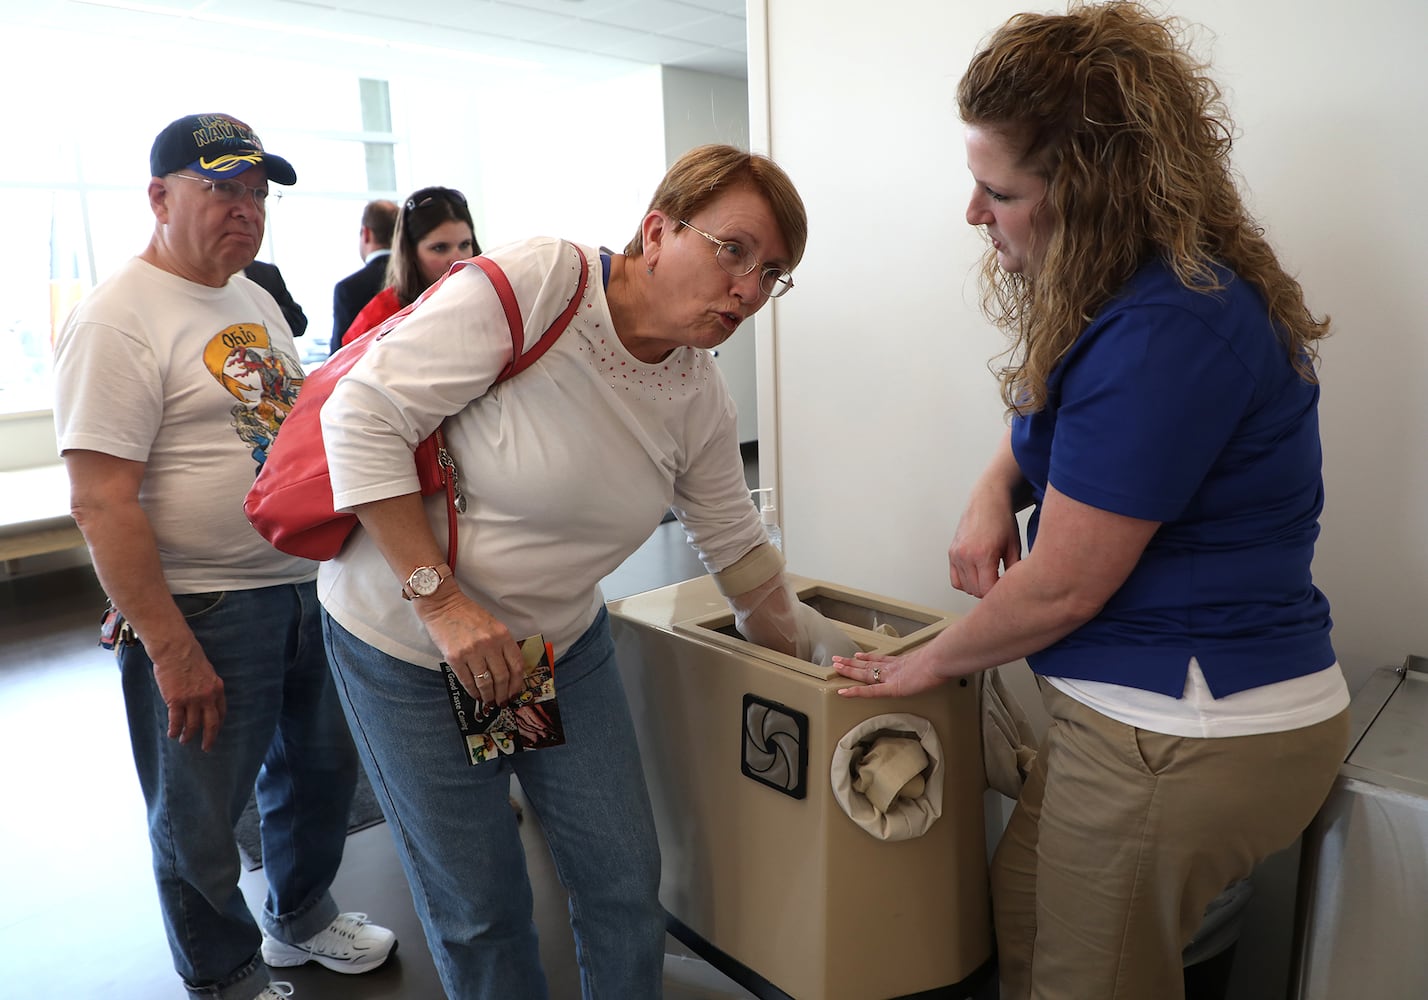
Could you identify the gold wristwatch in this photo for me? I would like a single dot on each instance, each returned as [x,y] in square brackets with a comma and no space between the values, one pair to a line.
[424,581]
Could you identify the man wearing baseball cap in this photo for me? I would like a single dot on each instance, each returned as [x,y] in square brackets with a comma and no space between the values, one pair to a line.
[171,379]
[214,146]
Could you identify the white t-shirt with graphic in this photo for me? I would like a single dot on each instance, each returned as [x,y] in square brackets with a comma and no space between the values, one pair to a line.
[193,381]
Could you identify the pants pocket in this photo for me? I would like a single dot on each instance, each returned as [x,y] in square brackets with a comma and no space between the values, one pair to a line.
[193,606]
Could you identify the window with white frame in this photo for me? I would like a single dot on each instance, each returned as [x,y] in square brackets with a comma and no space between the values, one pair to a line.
[527,142]
[76,198]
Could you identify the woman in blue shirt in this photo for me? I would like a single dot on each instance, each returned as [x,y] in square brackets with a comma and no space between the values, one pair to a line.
[1163,404]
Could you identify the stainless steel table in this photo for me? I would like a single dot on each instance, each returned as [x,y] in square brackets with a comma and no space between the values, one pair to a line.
[1363,891]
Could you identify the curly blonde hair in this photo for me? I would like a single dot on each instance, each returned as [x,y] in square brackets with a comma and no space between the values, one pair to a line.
[1133,139]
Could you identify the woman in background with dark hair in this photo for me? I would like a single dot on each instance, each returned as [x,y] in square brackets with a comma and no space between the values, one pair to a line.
[434,231]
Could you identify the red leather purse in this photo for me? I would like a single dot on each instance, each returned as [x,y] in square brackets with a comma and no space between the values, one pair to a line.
[290,503]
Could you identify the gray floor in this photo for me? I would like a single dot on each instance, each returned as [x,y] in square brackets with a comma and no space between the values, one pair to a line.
[80,918]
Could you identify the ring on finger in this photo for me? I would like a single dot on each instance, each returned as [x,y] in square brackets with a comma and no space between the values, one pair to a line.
[483,675]
[877,675]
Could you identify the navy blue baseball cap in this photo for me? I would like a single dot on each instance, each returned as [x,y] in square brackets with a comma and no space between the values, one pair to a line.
[215,146]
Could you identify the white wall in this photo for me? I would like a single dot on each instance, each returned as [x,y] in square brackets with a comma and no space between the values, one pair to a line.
[703,107]
[700,108]
[26,440]
[584,172]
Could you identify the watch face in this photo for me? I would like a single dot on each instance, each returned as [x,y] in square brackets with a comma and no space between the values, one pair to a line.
[424,581]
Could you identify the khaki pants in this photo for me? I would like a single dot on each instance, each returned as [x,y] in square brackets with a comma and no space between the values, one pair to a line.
[1122,837]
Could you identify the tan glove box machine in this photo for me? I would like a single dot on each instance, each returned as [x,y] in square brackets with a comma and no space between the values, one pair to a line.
[791,886]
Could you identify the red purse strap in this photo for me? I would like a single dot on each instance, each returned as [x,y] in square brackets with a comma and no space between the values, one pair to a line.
[455,501]
[520,361]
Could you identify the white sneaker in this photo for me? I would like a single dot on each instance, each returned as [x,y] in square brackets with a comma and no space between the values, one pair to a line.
[276,991]
[349,944]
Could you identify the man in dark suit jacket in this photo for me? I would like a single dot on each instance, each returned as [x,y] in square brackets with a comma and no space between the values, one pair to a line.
[379,220]
[271,279]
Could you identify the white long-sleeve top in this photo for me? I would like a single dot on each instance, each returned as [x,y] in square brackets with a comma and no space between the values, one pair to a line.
[567,467]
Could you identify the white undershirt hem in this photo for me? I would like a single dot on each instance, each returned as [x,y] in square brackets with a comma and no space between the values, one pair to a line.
[1273,708]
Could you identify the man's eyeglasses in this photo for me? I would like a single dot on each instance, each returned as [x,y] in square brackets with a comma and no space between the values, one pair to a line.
[445,194]
[229,192]
[735,259]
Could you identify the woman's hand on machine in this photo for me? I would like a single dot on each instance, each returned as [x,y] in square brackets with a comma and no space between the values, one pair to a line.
[886,676]
[478,648]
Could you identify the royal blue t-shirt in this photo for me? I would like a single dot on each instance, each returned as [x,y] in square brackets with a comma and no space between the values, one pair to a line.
[1183,407]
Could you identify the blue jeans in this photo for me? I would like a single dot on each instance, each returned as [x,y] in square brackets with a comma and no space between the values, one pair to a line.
[284,730]
[458,839]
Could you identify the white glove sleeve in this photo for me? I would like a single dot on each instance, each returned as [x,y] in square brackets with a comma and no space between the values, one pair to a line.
[771,616]
[820,639]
